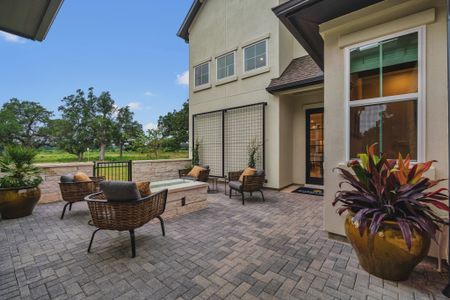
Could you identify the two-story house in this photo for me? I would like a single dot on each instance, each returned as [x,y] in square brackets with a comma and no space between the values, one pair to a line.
[314,82]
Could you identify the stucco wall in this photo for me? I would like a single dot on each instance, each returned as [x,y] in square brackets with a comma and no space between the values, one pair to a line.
[153,170]
[376,21]
[226,25]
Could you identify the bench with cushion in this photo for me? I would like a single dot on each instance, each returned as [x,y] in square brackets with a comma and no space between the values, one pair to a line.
[197,173]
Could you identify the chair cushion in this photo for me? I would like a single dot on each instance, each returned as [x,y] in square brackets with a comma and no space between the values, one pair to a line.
[235,185]
[260,173]
[195,172]
[68,178]
[81,177]
[247,172]
[144,188]
[189,178]
[120,191]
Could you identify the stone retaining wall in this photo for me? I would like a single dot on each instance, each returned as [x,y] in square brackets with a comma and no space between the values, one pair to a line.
[153,170]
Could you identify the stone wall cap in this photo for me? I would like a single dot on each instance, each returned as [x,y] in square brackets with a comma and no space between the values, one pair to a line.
[161,160]
[65,165]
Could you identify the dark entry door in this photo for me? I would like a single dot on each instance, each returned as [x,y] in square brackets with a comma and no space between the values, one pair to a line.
[314,146]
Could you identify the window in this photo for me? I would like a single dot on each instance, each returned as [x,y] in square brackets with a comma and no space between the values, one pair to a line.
[255,56]
[225,66]
[383,96]
[202,74]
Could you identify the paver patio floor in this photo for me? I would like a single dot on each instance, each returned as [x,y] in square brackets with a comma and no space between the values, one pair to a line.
[274,249]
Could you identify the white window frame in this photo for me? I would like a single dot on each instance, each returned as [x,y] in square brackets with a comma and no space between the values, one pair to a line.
[266,41]
[209,74]
[420,96]
[234,65]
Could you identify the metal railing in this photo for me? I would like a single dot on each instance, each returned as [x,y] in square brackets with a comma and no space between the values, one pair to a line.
[114,170]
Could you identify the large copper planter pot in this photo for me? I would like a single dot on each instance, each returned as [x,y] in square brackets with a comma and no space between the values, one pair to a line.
[387,256]
[19,202]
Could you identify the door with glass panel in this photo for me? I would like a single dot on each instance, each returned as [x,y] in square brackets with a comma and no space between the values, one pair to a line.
[314,146]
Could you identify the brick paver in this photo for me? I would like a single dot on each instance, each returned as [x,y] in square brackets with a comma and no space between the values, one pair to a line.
[263,250]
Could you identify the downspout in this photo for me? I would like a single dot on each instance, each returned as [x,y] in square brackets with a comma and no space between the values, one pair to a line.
[446,290]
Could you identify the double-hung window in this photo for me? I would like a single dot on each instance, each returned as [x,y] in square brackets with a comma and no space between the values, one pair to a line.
[384,96]
[225,66]
[201,74]
[255,56]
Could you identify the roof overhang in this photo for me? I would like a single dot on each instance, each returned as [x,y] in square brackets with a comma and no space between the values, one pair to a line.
[30,19]
[303,17]
[183,32]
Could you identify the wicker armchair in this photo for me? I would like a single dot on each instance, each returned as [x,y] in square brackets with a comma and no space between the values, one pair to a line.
[250,184]
[125,216]
[203,176]
[72,192]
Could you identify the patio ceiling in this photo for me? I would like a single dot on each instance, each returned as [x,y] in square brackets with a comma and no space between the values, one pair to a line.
[30,19]
[303,17]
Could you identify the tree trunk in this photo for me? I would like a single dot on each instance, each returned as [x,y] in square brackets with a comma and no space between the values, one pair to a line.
[121,150]
[80,156]
[102,152]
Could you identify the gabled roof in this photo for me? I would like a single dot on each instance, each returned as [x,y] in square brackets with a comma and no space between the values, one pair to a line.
[303,17]
[302,71]
[183,32]
[30,19]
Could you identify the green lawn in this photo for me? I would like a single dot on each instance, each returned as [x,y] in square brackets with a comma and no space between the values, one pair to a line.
[50,156]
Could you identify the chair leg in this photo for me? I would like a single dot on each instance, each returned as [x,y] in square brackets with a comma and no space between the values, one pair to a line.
[133,244]
[162,225]
[231,191]
[243,199]
[92,239]
[262,195]
[64,210]
[70,207]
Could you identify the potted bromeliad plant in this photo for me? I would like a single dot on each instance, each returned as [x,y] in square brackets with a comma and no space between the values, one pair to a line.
[19,181]
[391,212]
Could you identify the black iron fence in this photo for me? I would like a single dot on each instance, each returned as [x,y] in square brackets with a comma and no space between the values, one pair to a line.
[114,170]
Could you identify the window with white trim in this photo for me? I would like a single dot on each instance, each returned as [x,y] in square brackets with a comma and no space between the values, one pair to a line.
[383,96]
[255,56]
[225,65]
[201,74]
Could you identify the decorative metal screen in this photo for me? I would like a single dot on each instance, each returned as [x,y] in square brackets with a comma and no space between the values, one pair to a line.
[242,127]
[208,131]
[225,135]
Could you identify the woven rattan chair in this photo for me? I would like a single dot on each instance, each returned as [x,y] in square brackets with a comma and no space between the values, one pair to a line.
[250,184]
[125,216]
[72,192]
[203,176]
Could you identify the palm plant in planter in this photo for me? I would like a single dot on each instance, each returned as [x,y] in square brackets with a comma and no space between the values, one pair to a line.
[19,180]
[390,220]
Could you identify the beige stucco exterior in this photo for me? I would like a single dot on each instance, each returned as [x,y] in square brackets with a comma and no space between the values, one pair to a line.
[373,22]
[217,29]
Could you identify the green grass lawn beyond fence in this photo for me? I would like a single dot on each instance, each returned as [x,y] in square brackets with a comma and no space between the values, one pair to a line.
[51,156]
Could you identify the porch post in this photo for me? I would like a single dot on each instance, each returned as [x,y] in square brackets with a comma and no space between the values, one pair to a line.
[446,290]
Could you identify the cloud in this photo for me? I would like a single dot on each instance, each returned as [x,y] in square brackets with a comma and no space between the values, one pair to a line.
[183,78]
[149,94]
[150,126]
[134,105]
[11,38]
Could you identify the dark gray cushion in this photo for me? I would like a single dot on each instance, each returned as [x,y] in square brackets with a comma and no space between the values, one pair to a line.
[120,191]
[235,185]
[69,178]
[260,173]
[189,178]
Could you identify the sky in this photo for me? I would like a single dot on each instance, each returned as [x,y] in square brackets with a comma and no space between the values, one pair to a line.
[128,48]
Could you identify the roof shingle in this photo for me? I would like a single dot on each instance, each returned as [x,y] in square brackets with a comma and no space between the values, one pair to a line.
[300,72]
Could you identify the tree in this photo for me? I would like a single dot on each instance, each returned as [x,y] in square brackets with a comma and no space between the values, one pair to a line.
[74,131]
[25,123]
[175,127]
[103,122]
[9,127]
[155,139]
[126,129]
